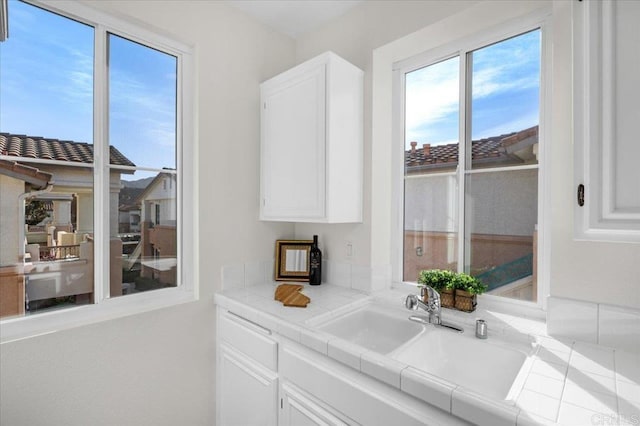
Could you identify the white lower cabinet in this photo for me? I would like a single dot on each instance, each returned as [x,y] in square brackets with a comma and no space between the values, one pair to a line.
[298,408]
[248,392]
[247,378]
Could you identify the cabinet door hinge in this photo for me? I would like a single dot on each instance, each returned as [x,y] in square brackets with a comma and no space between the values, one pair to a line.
[581,195]
[281,403]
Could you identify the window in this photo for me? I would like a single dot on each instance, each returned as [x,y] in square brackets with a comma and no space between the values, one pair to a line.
[471,138]
[93,125]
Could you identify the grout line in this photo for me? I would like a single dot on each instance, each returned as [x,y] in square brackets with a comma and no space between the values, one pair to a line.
[615,383]
[564,384]
[598,323]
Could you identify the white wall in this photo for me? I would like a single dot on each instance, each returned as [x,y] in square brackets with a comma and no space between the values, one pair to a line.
[354,36]
[157,368]
[598,272]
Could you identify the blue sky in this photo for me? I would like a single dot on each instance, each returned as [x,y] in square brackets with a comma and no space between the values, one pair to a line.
[46,76]
[505,93]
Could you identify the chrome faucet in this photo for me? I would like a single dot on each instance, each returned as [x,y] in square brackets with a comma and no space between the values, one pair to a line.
[432,306]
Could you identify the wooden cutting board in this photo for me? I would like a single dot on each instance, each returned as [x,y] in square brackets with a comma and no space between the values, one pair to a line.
[289,295]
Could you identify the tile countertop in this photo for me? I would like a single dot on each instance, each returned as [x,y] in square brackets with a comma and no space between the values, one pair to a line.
[569,383]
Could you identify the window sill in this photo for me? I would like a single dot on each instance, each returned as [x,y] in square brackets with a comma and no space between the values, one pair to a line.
[25,327]
[517,308]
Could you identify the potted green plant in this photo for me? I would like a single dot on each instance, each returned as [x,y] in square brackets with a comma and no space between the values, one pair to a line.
[442,281]
[467,289]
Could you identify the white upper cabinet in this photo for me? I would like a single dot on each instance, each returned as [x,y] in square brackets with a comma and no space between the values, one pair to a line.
[606,116]
[311,143]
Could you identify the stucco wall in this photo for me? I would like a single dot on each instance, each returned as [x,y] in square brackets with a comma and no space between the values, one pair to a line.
[10,190]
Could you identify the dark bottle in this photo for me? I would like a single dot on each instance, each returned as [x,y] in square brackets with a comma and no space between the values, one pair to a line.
[315,263]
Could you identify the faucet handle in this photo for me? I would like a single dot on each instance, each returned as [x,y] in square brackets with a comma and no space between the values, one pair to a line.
[432,294]
[411,302]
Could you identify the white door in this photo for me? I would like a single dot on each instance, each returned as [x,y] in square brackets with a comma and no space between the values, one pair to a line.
[293,147]
[297,409]
[247,392]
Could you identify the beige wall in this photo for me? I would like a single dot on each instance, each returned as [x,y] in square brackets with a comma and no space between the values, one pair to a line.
[10,190]
[157,368]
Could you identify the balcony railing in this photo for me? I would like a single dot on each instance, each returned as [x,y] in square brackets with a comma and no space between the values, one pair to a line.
[508,272]
[49,253]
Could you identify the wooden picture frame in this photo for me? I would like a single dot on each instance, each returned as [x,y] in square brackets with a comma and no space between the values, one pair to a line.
[292,260]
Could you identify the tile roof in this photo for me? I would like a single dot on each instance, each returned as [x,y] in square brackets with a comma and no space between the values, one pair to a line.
[495,149]
[25,173]
[54,149]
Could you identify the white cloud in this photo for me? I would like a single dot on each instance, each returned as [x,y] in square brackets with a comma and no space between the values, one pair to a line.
[432,93]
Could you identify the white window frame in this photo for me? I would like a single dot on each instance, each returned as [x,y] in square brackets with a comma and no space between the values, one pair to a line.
[105,308]
[461,48]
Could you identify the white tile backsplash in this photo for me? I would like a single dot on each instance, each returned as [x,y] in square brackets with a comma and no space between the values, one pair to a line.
[361,278]
[337,273]
[619,327]
[380,277]
[607,325]
[253,274]
[364,279]
[572,318]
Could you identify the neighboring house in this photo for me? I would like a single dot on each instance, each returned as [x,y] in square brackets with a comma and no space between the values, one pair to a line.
[129,209]
[61,175]
[508,200]
[129,219]
[158,212]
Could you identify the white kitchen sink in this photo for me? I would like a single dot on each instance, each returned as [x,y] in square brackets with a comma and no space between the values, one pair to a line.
[495,367]
[491,367]
[374,329]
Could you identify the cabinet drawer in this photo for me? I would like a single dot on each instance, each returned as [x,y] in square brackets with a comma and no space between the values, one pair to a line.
[249,338]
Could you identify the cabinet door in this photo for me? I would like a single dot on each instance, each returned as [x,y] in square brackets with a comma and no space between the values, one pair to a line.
[293,146]
[297,409]
[247,392]
[606,91]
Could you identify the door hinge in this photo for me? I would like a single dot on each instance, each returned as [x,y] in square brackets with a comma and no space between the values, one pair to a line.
[581,195]
[265,105]
[281,403]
